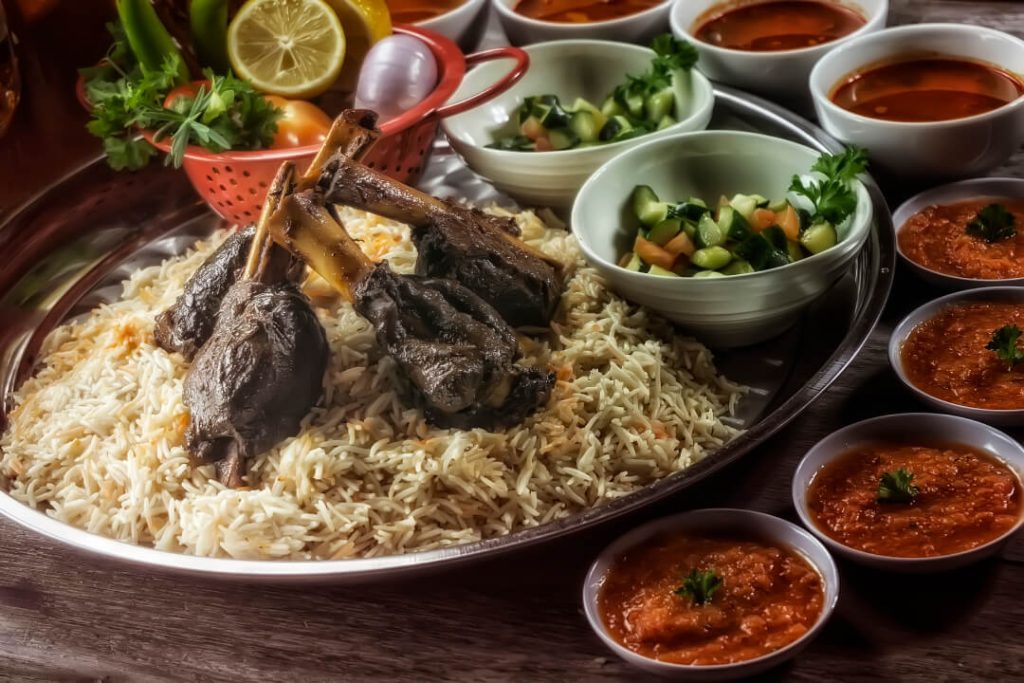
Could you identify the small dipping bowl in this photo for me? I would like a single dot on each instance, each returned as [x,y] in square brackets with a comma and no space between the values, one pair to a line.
[778,75]
[634,28]
[932,428]
[457,23]
[725,521]
[953,193]
[1012,417]
[954,148]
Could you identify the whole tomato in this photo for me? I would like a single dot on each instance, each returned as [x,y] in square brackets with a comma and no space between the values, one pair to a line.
[301,123]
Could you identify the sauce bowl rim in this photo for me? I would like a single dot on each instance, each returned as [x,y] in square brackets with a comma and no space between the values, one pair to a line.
[824,99]
[938,190]
[598,571]
[801,484]
[507,9]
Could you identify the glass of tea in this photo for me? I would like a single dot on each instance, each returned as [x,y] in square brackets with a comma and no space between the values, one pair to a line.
[10,78]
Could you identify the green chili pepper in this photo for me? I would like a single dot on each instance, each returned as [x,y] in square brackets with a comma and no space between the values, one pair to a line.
[209,24]
[149,40]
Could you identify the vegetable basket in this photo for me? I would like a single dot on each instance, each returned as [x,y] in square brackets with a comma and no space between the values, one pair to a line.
[234,183]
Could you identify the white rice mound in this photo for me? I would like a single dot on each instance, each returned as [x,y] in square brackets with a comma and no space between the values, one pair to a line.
[96,438]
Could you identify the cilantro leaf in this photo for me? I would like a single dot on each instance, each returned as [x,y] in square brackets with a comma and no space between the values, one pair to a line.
[699,586]
[673,54]
[1004,343]
[897,487]
[993,224]
[846,166]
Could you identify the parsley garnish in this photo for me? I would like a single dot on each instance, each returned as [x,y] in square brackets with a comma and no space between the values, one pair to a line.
[699,586]
[993,224]
[1004,343]
[833,197]
[672,55]
[897,487]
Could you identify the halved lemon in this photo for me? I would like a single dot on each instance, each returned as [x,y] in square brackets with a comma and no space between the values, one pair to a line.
[365,22]
[293,48]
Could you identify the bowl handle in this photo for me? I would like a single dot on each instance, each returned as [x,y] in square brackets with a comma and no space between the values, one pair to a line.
[500,86]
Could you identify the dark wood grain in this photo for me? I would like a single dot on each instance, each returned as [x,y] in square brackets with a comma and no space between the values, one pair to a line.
[64,616]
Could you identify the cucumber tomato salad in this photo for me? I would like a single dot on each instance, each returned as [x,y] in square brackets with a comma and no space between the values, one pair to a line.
[749,232]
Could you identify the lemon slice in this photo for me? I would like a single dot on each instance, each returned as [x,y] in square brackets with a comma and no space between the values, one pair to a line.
[365,22]
[293,48]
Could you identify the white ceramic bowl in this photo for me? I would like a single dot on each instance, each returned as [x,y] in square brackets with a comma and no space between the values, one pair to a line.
[980,188]
[919,429]
[457,23]
[725,312]
[740,523]
[569,69]
[939,149]
[635,28]
[777,75]
[929,311]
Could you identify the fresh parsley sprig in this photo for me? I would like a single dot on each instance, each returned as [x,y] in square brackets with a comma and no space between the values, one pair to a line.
[672,55]
[832,195]
[897,487]
[1004,344]
[699,586]
[993,224]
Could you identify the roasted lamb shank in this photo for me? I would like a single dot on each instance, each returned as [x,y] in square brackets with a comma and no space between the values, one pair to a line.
[454,351]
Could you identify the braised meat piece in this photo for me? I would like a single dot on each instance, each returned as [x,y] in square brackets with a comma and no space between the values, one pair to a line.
[185,326]
[479,251]
[256,377]
[455,352]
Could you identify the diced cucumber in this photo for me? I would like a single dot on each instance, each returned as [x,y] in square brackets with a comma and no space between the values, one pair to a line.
[733,225]
[647,207]
[563,138]
[795,251]
[581,104]
[778,206]
[556,117]
[744,204]
[690,210]
[634,105]
[708,273]
[660,104]
[776,236]
[698,201]
[615,127]
[665,122]
[661,272]
[819,237]
[611,107]
[759,252]
[585,125]
[711,258]
[738,267]
[709,234]
[634,262]
[665,230]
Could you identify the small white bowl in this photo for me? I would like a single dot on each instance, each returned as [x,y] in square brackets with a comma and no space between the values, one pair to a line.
[778,75]
[919,429]
[732,311]
[928,311]
[936,149]
[456,23]
[570,69]
[739,523]
[953,193]
[635,28]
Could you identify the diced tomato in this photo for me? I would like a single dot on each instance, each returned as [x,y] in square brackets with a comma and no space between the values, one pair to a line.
[789,221]
[651,254]
[543,144]
[680,244]
[532,128]
[761,219]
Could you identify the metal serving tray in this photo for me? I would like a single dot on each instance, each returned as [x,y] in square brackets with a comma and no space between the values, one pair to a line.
[69,248]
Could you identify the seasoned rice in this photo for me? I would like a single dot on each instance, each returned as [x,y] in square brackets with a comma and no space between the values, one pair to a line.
[96,436]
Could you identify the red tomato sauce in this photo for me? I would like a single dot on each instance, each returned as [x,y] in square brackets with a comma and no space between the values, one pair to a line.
[965,499]
[582,11]
[935,89]
[937,239]
[412,11]
[946,356]
[769,597]
[777,25]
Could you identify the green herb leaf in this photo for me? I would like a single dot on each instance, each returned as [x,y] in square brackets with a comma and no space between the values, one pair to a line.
[897,487]
[833,196]
[125,153]
[993,224]
[846,166]
[1004,343]
[699,586]
[673,53]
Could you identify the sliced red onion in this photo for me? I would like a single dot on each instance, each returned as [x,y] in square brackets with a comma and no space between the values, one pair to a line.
[397,74]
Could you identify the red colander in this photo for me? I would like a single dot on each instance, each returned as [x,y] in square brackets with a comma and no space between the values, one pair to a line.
[234,183]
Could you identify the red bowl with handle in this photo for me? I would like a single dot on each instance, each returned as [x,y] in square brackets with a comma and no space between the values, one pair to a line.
[234,183]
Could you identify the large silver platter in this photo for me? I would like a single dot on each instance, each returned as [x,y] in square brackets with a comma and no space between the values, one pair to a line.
[68,249]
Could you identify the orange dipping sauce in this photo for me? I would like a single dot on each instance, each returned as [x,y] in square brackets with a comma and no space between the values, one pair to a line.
[412,11]
[937,239]
[946,357]
[965,499]
[582,11]
[777,25]
[769,598]
[933,89]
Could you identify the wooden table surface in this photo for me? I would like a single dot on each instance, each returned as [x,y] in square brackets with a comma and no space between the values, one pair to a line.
[65,616]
